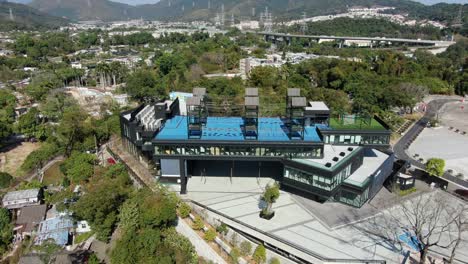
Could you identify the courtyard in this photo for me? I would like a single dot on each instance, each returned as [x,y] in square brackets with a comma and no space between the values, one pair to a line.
[239,198]
[305,222]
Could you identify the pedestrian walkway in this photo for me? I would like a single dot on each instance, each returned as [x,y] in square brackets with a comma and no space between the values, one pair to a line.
[136,167]
[201,247]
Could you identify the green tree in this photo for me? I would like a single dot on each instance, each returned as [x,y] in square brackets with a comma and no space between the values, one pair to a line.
[5,179]
[100,204]
[270,195]
[93,259]
[259,255]
[7,113]
[79,167]
[72,129]
[245,248]
[129,215]
[33,184]
[6,230]
[143,84]
[435,167]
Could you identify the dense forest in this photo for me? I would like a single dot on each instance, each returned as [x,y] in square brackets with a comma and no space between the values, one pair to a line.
[371,27]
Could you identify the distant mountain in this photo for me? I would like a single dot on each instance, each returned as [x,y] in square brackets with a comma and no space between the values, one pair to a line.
[241,9]
[85,9]
[23,17]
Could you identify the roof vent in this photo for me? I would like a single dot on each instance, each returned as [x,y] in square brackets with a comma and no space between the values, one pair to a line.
[335,159]
[328,165]
[350,149]
[342,154]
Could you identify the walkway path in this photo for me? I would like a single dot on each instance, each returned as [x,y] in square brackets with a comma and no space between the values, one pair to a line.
[135,167]
[201,247]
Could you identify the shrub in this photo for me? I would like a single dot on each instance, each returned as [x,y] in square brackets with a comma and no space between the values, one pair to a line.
[5,179]
[198,223]
[259,254]
[235,255]
[210,235]
[222,228]
[184,210]
[245,248]
[408,191]
[83,237]
[275,261]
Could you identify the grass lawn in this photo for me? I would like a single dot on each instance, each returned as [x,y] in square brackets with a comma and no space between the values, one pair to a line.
[359,123]
[53,175]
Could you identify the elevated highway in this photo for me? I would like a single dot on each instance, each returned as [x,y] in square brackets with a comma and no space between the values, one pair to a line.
[270,36]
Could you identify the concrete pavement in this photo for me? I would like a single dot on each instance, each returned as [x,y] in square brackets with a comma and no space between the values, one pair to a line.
[201,247]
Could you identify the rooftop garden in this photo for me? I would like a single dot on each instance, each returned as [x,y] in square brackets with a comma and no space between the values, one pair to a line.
[355,123]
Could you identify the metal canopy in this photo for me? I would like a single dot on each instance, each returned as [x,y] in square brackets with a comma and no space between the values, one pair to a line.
[298,102]
[199,91]
[251,101]
[293,92]
[194,101]
[251,91]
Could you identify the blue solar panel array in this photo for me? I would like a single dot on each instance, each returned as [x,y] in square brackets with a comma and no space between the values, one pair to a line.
[230,128]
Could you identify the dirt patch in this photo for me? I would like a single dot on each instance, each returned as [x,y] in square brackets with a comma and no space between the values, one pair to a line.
[53,175]
[11,160]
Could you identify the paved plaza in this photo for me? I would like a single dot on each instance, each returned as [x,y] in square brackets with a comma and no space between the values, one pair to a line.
[455,114]
[443,143]
[239,198]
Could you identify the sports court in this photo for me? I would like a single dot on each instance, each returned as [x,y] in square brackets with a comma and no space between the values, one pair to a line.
[230,128]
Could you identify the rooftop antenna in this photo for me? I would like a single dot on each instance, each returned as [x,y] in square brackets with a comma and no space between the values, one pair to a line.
[12,18]
[304,23]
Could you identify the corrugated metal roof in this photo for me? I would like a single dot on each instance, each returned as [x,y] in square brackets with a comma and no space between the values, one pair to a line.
[251,101]
[292,92]
[251,91]
[23,194]
[299,102]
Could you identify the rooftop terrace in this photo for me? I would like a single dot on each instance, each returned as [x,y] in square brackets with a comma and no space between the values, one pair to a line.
[230,128]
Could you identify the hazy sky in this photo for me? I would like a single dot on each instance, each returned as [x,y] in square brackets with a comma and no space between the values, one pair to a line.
[136,2]
[139,2]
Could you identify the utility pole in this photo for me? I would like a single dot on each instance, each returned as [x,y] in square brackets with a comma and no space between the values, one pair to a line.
[458,22]
[233,21]
[304,23]
[222,16]
[268,21]
[12,18]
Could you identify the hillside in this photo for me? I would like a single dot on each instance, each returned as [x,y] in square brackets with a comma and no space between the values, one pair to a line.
[242,9]
[85,9]
[26,18]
